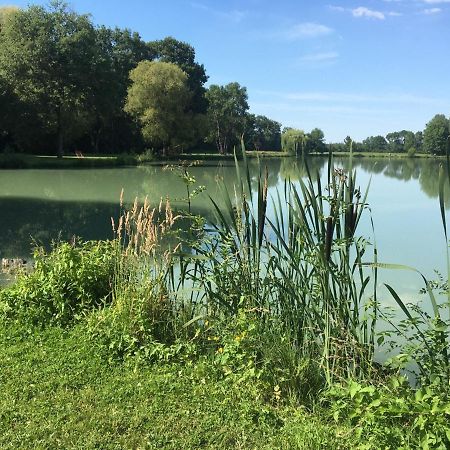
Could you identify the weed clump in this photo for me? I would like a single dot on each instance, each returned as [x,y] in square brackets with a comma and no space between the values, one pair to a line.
[67,282]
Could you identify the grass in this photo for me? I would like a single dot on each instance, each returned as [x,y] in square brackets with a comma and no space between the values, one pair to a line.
[57,391]
[23,161]
[223,339]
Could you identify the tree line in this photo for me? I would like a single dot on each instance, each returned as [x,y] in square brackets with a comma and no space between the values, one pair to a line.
[434,139]
[66,84]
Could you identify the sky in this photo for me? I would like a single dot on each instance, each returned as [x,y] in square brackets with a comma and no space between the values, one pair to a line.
[357,68]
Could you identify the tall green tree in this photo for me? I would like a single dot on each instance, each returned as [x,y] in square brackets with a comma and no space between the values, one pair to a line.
[262,133]
[183,55]
[227,112]
[54,73]
[375,144]
[436,134]
[158,99]
[316,141]
[118,51]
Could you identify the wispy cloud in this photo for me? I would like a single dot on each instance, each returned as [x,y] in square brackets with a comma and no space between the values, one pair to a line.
[320,57]
[362,11]
[234,15]
[436,2]
[306,30]
[345,97]
[431,11]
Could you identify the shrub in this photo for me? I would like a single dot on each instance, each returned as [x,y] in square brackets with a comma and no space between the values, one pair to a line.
[394,416]
[67,282]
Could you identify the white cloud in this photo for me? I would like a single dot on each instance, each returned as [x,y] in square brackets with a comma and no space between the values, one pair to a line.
[436,2]
[362,11]
[431,11]
[306,30]
[320,57]
[394,14]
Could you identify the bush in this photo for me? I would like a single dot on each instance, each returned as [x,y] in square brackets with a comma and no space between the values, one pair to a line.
[67,282]
[411,152]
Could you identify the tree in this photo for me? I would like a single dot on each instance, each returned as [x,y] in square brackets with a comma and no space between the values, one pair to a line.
[293,141]
[436,134]
[54,73]
[158,98]
[262,133]
[117,53]
[375,144]
[315,141]
[183,55]
[395,142]
[227,111]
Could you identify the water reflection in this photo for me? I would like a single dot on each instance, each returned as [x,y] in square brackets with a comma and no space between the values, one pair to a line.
[51,204]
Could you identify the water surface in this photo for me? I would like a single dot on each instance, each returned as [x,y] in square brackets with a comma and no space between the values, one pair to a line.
[43,205]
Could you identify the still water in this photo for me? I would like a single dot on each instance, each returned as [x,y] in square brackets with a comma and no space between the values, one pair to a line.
[43,205]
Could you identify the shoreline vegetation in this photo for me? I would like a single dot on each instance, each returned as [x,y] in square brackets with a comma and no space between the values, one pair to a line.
[246,332]
[25,161]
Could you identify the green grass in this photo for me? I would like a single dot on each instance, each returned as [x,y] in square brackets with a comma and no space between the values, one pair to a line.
[57,391]
[22,161]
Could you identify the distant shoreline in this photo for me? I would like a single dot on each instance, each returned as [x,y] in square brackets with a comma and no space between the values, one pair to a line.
[24,161]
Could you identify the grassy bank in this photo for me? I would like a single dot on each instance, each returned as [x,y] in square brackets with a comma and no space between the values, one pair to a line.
[263,328]
[22,161]
[57,391]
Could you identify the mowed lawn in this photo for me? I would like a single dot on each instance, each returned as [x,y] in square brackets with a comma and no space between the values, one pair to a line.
[58,392]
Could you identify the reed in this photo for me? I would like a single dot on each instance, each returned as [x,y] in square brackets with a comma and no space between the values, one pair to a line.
[302,271]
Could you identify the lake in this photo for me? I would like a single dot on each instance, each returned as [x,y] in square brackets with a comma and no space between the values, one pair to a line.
[43,205]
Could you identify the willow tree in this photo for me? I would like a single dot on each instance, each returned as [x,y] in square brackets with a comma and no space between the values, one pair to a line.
[159,99]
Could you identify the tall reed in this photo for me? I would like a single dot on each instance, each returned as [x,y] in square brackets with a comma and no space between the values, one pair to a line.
[301,271]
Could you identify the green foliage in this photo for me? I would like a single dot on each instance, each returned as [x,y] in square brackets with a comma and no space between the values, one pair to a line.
[394,415]
[262,133]
[52,75]
[158,98]
[183,55]
[411,151]
[293,141]
[315,141]
[66,283]
[143,317]
[59,392]
[375,144]
[227,112]
[436,134]
[296,268]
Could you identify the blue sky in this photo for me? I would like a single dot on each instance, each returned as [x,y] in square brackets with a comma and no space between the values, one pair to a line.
[360,67]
